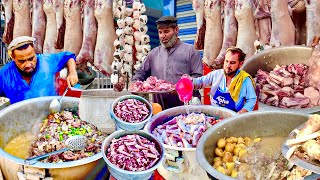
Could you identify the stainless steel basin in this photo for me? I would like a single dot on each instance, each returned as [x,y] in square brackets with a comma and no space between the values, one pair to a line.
[254,124]
[268,59]
[26,116]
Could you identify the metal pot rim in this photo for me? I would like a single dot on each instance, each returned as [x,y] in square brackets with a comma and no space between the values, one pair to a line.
[41,164]
[199,152]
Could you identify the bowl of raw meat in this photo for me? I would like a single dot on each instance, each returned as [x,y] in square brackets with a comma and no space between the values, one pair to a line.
[131,112]
[132,154]
[284,77]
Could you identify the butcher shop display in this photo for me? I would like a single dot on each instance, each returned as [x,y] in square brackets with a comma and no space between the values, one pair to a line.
[285,87]
[184,130]
[131,110]
[152,84]
[254,158]
[241,23]
[133,153]
[54,131]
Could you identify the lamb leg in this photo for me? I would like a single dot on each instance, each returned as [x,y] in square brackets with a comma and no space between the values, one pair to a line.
[89,35]
[38,25]
[22,22]
[9,23]
[106,35]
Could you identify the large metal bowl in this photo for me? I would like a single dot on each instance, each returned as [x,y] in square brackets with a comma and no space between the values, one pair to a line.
[25,117]
[254,124]
[127,125]
[192,169]
[122,174]
[268,59]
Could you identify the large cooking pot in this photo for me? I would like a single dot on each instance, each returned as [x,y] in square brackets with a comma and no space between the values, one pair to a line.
[192,168]
[26,116]
[268,59]
[254,124]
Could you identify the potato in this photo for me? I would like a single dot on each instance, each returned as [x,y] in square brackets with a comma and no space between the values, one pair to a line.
[229,140]
[244,157]
[218,152]
[217,159]
[217,163]
[221,169]
[230,166]
[236,150]
[229,147]
[235,158]
[234,174]
[248,143]
[234,139]
[227,157]
[221,143]
[257,140]
[240,140]
[247,139]
[242,151]
[241,145]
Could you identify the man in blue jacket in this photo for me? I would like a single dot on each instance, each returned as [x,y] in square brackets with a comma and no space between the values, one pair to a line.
[32,75]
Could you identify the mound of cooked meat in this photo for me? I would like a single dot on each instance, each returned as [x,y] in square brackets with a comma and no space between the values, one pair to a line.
[57,128]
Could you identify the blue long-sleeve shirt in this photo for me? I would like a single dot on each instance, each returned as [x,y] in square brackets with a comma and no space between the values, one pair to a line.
[216,79]
[42,83]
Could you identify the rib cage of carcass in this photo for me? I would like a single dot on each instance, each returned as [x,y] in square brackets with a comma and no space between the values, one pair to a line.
[132,43]
[253,25]
[84,27]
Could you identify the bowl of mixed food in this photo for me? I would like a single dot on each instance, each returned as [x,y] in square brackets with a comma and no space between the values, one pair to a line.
[131,112]
[29,130]
[132,154]
[249,147]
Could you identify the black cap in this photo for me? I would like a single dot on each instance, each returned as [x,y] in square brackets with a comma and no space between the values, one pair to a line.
[166,20]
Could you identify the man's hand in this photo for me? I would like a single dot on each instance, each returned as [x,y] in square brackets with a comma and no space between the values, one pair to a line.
[72,79]
[186,76]
[242,111]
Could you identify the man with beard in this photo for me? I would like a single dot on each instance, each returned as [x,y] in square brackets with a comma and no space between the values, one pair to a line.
[32,75]
[231,87]
[170,61]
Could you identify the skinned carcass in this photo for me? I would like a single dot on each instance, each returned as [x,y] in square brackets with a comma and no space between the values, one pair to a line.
[89,35]
[38,25]
[198,7]
[230,31]
[214,35]
[61,24]
[9,22]
[283,30]
[73,33]
[51,26]
[246,27]
[103,55]
[262,15]
[22,21]
[313,19]
[313,75]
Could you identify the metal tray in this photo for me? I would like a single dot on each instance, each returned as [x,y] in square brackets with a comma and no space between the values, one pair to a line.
[313,166]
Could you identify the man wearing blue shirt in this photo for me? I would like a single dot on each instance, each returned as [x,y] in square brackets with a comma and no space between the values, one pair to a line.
[231,87]
[32,75]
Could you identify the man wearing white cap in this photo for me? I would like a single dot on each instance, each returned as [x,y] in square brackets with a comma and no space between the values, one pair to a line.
[32,75]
